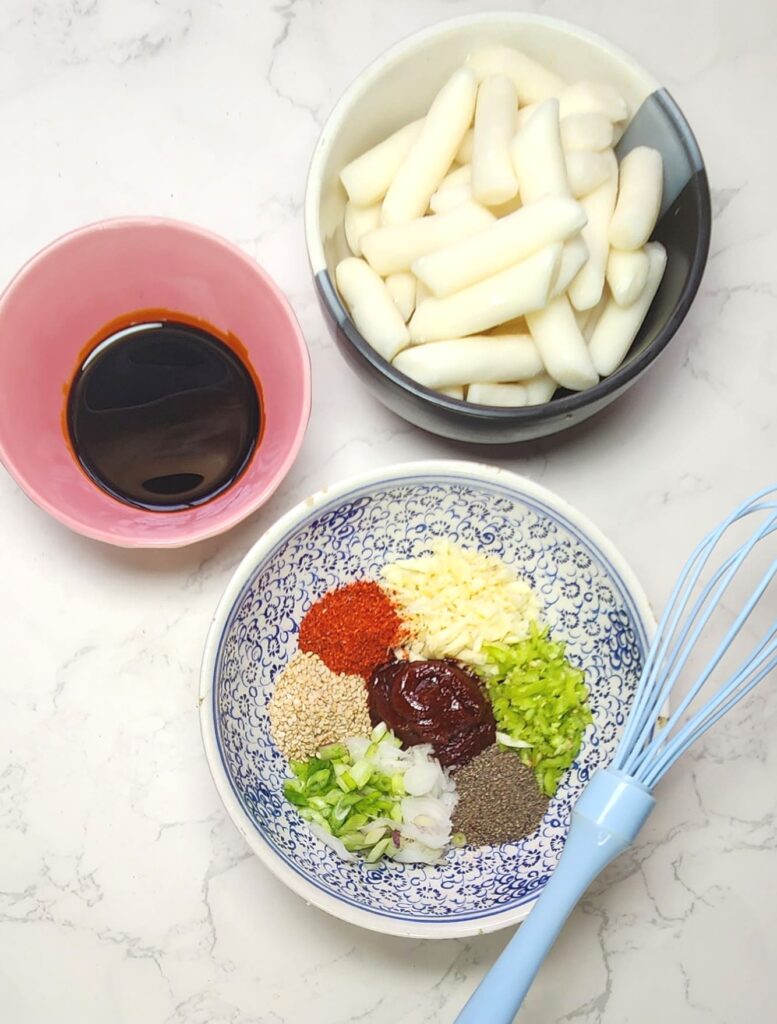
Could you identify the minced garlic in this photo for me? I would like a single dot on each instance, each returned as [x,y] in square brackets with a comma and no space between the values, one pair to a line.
[455,601]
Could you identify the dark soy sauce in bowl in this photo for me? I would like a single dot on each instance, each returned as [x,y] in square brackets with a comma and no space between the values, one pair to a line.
[163,415]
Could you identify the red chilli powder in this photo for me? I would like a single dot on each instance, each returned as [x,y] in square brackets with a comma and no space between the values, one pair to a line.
[352,629]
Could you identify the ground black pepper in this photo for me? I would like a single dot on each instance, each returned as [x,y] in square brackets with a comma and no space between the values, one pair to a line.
[499,801]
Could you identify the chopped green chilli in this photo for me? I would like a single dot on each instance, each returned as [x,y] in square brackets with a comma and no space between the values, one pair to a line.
[540,703]
[460,724]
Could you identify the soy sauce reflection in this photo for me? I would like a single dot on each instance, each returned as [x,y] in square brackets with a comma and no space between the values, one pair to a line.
[163,415]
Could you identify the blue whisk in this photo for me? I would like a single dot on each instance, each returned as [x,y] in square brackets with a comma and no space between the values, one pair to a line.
[617,801]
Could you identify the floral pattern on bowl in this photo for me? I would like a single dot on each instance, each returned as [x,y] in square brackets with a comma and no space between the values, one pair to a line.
[589,599]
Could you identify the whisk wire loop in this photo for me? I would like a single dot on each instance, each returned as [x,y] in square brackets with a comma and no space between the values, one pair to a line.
[646,753]
[737,687]
[618,799]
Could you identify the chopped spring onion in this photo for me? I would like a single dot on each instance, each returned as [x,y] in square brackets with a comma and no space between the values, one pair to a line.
[367,796]
[510,741]
[540,703]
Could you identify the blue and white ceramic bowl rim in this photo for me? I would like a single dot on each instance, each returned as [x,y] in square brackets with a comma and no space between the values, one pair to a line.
[275,535]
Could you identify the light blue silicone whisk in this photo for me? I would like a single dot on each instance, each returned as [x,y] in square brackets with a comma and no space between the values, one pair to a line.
[616,802]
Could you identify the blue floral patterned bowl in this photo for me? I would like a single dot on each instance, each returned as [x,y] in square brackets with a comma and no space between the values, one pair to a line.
[591,599]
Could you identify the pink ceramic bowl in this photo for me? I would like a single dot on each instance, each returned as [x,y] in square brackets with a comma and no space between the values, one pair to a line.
[67,295]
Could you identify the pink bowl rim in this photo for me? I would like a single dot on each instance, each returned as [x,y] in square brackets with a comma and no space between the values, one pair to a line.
[266,490]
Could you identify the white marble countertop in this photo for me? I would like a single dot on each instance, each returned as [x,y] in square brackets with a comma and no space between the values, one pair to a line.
[126,897]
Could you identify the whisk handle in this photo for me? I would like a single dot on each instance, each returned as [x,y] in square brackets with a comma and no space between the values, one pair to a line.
[605,820]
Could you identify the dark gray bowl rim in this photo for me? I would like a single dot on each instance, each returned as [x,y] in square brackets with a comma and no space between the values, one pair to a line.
[570,403]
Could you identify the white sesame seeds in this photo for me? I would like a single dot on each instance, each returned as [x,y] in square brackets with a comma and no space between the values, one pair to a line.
[312,706]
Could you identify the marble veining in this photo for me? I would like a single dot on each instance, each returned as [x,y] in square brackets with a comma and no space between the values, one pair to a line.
[583,600]
[125,895]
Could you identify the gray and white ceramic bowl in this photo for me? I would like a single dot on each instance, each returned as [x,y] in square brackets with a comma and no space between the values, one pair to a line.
[590,599]
[398,88]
